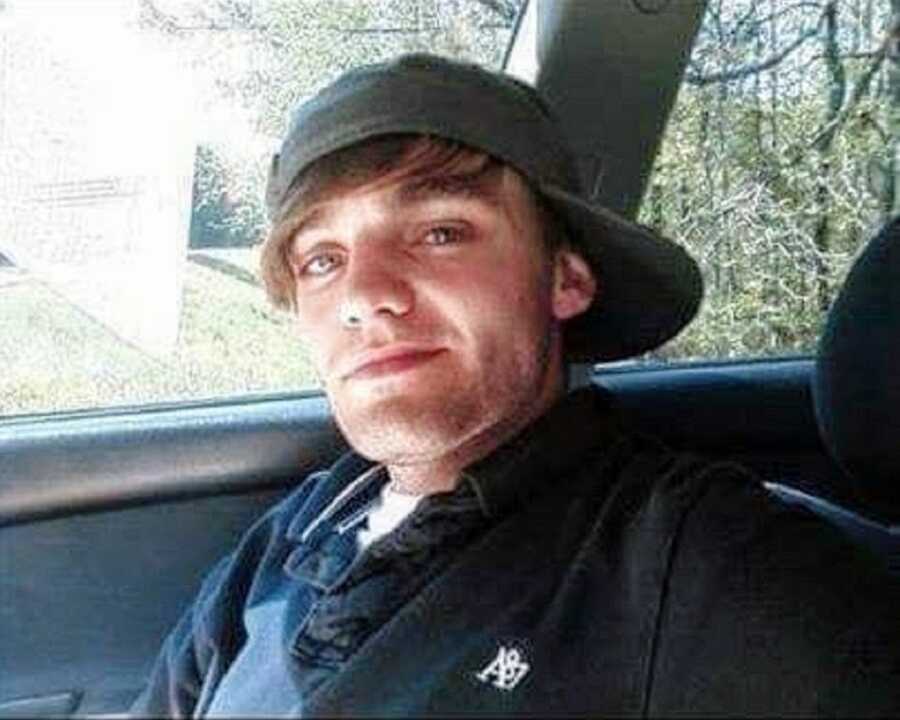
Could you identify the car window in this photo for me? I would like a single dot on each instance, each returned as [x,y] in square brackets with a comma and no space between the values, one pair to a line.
[778,162]
[135,136]
[132,173]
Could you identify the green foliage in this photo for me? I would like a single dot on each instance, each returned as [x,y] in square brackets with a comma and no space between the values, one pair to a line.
[253,62]
[230,342]
[294,47]
[779,161]
[227,208]
[768,184]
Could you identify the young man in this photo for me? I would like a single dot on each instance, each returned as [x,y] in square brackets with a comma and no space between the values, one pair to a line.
[492,544]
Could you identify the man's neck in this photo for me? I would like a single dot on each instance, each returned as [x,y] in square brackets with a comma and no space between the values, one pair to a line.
[423,478]
[442,474]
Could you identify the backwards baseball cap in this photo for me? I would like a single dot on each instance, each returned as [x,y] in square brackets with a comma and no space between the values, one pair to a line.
[649,288]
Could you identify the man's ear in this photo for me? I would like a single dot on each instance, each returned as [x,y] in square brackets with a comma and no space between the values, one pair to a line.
[574,284]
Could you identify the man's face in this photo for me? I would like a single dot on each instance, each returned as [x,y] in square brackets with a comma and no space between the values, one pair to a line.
[432,312]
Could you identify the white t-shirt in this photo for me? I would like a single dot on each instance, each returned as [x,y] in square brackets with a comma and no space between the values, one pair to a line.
[388,512]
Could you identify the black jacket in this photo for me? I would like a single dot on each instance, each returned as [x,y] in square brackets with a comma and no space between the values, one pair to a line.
[577,570]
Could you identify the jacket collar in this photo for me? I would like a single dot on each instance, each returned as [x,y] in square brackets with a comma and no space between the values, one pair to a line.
[549,448]
[338,497]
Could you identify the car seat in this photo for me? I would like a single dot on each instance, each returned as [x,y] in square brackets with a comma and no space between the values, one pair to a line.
[856,394]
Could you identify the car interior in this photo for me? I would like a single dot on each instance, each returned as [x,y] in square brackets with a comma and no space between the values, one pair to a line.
[109,518]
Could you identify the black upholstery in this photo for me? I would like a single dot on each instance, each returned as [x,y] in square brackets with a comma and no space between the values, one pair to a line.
[856,394]
[882,539]
[856,385]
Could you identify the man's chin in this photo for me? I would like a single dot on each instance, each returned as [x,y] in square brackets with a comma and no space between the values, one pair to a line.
[405,428]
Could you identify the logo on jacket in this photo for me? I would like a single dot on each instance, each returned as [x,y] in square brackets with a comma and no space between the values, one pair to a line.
[506,670]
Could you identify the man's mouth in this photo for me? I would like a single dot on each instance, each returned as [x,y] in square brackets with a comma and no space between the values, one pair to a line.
[391,361]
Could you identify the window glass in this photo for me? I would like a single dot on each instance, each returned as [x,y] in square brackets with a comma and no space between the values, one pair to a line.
[134,140]
[780,159]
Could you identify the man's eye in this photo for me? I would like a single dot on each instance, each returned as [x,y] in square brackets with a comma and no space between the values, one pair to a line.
[320,264]
[444,235]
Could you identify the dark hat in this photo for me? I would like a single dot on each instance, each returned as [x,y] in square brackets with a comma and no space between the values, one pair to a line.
[649,288]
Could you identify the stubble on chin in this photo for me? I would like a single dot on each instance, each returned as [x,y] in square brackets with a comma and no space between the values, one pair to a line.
[456,426]
[406,429]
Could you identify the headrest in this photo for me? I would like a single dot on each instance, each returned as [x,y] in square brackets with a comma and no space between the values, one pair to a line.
[856,388]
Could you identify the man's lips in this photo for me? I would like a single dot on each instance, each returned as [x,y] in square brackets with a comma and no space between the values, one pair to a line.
[389,360]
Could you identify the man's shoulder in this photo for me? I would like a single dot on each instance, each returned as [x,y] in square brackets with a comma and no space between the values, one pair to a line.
[601,442]
[716,503]
[732,537]
[659,480]
[759,588]
[706,510]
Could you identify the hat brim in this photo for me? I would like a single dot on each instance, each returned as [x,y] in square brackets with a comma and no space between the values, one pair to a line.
[648,287]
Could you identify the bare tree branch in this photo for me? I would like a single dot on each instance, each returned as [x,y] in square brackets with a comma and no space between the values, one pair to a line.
[156,18]
[406,30]
[866,118]
[228,15]
[506,9]
[852,55]
[238,18]
[826,133]
[739,72]
[780,13]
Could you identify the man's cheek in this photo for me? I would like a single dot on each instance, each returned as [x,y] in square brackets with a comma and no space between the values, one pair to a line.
[317,349]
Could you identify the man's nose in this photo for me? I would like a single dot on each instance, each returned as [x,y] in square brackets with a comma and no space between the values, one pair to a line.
[374,287]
